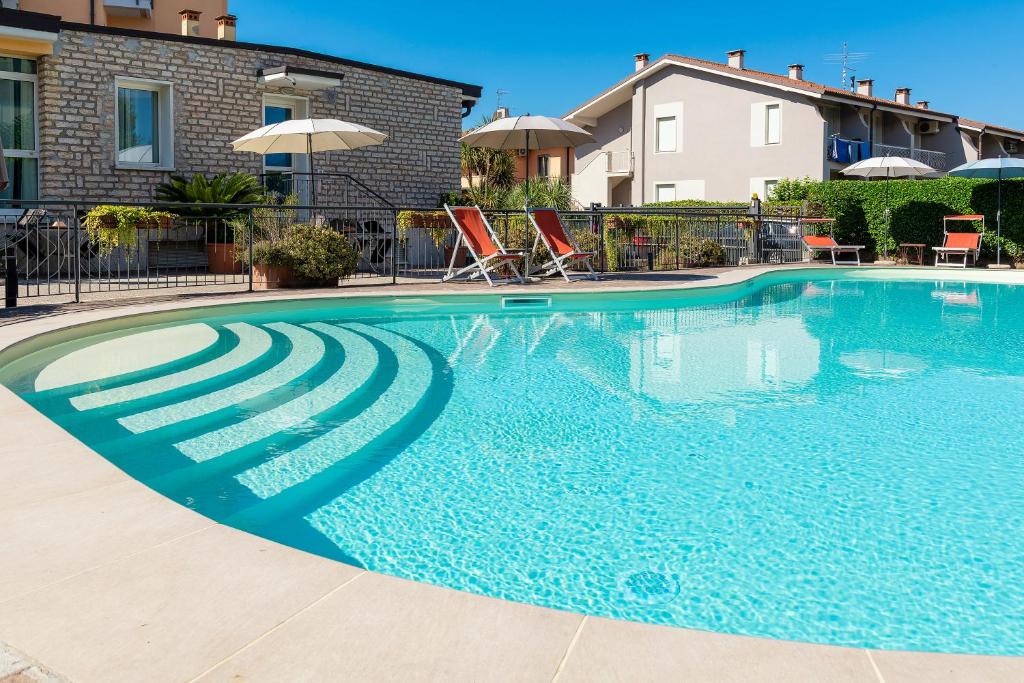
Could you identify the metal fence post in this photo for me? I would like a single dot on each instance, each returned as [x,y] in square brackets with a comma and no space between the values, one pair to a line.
[597,224]
[76,221]
[676,223]
[10,278]
[252,239]
[394,247]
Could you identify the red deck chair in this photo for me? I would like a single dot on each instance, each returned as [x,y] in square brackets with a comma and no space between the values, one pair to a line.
[483,244]
[560,245]
[962,244]
[816,243]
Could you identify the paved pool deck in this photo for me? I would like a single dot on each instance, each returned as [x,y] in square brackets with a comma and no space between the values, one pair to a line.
[103,579]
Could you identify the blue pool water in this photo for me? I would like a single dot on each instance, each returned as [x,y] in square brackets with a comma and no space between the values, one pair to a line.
[831,460]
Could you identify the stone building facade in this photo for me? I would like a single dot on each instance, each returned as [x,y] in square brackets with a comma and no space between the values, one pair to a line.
[213,93]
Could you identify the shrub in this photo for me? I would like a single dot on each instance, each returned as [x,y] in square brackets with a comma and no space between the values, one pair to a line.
[316,254]
[791,190]
[708,253]
[320,254]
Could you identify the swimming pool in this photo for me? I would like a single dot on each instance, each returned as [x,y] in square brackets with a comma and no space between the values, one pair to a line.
[822,456]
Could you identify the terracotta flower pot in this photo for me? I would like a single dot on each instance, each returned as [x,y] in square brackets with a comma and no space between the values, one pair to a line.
[220,259]
[272,277]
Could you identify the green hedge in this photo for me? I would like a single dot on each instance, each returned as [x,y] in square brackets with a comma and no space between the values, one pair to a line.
[917,208]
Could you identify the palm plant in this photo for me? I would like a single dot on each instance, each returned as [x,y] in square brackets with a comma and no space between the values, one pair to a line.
[482,166]
[224,188]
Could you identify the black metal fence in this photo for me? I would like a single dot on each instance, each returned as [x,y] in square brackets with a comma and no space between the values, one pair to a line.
[51,251]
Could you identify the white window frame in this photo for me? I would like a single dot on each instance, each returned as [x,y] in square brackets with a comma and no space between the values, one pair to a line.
[759,185]
[166,113]
[685,189]
[658,140]
[660,186]
[300,110]
[34,79]
[668,110]
[767,124]
[759,123]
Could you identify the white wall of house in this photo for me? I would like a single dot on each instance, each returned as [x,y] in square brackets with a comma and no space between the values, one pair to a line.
[725,138]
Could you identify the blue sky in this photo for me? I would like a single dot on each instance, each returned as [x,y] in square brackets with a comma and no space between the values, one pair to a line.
[964,57]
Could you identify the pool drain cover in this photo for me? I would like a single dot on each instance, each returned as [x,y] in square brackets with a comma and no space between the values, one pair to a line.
[650,586]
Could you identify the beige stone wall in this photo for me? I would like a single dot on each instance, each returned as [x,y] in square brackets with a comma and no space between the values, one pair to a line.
[216,99]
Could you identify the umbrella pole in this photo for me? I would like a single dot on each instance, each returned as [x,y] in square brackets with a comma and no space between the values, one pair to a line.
[312,176]
[885,245]
[526,208]
[999,220]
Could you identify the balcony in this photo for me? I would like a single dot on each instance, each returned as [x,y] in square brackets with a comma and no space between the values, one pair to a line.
[936,160]
[620,163]
[128,8]
[844,151]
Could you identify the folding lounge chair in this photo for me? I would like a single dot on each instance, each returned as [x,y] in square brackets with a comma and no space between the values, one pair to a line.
[483,245]
[816,243]
[966,245]
[560,244]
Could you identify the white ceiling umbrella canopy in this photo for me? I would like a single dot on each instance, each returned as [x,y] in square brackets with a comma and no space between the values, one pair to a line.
[889,167]
[307,136]
[993,169]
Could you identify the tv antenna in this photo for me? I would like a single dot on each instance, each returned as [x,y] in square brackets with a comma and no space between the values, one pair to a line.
[848,60]
[499,93]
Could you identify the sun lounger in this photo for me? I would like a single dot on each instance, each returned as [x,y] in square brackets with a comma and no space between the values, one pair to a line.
[560,244]
[485,249]
[820,243]
[964,245]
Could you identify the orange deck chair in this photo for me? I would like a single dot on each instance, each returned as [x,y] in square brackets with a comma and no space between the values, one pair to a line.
[817,243]
[483,245]
[966,245]
[560,244]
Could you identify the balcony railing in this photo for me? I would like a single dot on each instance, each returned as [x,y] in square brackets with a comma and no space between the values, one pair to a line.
[936,160]
[620,162]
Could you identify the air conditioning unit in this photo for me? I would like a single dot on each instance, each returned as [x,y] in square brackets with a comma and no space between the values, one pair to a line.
[928,127]
[1012,147]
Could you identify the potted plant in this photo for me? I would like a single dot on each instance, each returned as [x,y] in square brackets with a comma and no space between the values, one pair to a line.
[302,256]
[220,222]
[110,227]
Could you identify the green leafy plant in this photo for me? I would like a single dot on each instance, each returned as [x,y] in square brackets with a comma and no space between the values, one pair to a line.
[708,252]
[791,190]
[316,254]
[110,227]
[224,188]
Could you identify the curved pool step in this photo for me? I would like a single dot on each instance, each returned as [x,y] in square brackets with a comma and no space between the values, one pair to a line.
[125,355]
[410,385]
[358,367]
[253,342]
[307,349]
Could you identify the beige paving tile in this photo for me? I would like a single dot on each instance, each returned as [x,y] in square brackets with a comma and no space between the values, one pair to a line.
[170,613]
[610,650]
[907,667]
[53,539]
[41,461]
[381,628]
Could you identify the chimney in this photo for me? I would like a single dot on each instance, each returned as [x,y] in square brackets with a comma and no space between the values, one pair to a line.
[866,87]
[796,72]
[923,104]
[226,26]
[903,96]
[736,58]
[640,61]
[501,113]
[189,22]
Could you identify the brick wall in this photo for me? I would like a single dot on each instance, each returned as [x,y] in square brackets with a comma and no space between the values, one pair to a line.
[217,99]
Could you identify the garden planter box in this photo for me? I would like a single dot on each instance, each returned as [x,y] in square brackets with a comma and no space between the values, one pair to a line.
[220,259]
[272,277]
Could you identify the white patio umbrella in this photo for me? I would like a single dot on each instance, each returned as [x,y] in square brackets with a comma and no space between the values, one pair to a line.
[306,136]
[527,132]
[996,169]
[889,167]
